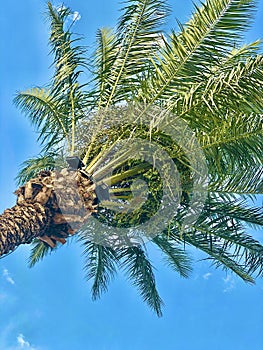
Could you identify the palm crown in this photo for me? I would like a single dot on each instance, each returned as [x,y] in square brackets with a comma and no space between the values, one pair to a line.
[202,75]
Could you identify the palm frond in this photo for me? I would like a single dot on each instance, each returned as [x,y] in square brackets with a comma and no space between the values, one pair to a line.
[69,58]
[38,252]
[232,85]
[31,167]
[100,266]
[213,31]
[238,209]
[138,35]
[105,56]
[217,25]
[42,109]
[176,257]
[216,253]
[140,272]
[247,182]
[219,232]
[224,147]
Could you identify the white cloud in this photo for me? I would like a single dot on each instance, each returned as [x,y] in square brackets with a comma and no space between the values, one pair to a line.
[207,275]
[24,344]
[227,279]
[8,340]
[229,283]
[76,16]
[7,276]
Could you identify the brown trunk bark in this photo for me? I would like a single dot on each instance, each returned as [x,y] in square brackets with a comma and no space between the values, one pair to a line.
[20,224]
[50,207]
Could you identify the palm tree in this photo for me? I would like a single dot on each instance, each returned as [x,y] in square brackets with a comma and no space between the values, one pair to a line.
[206,81]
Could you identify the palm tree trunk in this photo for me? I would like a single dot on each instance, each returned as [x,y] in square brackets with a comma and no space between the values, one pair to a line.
[50,207]
[20,224]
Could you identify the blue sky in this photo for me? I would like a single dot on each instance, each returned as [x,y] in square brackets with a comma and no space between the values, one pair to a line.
[49,307]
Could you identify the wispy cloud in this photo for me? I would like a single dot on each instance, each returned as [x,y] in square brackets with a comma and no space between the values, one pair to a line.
[10,339]
[207,275]
[229,284]
[24,344]
[7,276]
[76,16]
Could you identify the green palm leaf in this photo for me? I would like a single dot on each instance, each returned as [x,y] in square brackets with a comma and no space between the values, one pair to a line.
[42,109]
[176,257]
[38,252]
[137,35]
[140,272]
[202,42]
[100,266]
[31,167]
